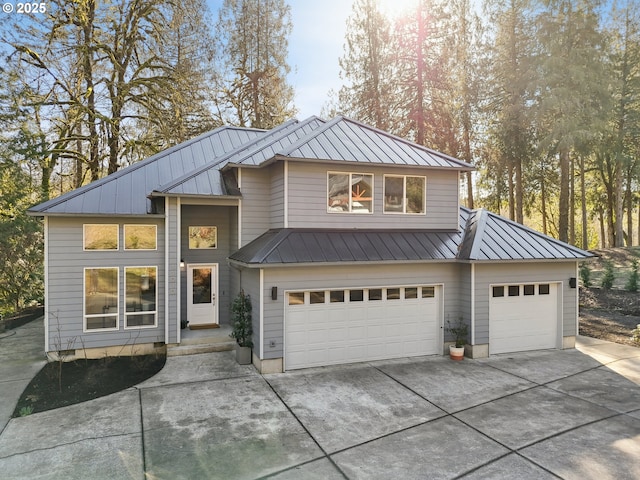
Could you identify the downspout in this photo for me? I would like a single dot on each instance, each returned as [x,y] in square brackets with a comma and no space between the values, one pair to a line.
[179,272]
[286,194]
[261,310]
[473,304]
[577,302]
[166,270]
[46,284]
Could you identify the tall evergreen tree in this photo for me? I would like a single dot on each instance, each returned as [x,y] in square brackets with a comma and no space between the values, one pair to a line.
[252,52]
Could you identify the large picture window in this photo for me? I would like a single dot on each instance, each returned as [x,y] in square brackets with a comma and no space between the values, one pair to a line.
[404,194]
[100,237]
[100,299]
[140,237]
[349,192]
[141,297]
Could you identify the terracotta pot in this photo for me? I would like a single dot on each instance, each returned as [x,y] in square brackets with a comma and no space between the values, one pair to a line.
[456,353]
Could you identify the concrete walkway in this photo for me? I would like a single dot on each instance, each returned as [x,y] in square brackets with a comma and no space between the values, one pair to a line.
[571,414]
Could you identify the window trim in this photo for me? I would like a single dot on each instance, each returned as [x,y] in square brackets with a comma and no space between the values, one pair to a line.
[124,237]
[84,237]
[97,315]
[127,314]
[350,175]
[404,194]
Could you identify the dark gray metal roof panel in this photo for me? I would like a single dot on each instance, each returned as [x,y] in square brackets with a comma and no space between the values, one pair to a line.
[490,237]
[125,192]
[292,246]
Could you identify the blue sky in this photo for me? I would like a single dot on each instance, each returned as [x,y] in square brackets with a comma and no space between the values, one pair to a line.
[315,45]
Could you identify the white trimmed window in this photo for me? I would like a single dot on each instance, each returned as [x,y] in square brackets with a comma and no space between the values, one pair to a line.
[404,194]
[140,237]
[100,236]
[141,297]
[203,238]
[349,192]
[101,286]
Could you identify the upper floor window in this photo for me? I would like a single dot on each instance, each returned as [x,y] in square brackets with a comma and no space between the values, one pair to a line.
[203,238]
[100,237]
[350,192]
[404,194]
[140,237]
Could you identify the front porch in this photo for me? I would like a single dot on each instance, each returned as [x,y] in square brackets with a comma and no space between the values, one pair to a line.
[202,341]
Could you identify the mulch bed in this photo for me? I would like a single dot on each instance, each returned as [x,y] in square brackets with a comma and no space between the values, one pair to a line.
[84,380]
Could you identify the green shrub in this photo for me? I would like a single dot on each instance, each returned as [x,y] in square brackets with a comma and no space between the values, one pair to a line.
[608,277]
[635,334]
[585,275]
[241,317]
[632,282]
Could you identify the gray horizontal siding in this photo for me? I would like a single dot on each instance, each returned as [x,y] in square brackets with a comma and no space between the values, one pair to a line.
[277,195]
[348,277]
[66,264]
[307,202]
[199,215]
[517,273]
[256,203]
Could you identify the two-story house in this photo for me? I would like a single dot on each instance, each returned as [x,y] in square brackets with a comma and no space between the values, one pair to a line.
[350,241]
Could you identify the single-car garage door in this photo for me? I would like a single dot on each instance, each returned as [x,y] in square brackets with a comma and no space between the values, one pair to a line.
[328,327]
[523,317]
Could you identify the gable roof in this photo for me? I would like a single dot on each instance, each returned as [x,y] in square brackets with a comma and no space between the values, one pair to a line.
[482,236]
[125,191]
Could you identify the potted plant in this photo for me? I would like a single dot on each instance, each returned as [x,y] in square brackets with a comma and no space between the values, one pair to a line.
[459,331]
[242,327]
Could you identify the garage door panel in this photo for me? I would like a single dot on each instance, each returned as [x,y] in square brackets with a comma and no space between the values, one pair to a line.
[346,332]
[523,322]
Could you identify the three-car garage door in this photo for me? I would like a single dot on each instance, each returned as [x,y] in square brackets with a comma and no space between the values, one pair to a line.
[328,327]
[523,317]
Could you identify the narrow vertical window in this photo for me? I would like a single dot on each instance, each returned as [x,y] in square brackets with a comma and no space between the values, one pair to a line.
[100,299]
[141,297]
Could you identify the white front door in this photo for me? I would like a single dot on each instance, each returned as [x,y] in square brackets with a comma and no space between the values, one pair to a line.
[202,295]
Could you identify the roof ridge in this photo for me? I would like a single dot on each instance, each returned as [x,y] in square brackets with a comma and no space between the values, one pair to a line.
[298,143]
[301,124]
[132,168]
[478,232]
[193,173]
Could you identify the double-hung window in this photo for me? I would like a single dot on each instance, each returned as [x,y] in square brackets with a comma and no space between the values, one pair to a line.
[404,194]
[349,192]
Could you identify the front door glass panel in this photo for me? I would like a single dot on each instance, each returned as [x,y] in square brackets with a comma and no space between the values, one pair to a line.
[201,286]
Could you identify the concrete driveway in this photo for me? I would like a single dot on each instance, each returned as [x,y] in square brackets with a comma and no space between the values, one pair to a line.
[549,414]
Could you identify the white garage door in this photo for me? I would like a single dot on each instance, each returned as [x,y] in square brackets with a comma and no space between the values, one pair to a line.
[328,327]
[523,317]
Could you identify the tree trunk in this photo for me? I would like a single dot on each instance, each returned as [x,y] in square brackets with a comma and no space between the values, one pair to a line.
[563,205]
[583,205]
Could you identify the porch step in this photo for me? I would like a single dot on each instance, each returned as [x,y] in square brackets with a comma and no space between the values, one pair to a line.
[194,349]
[193,342]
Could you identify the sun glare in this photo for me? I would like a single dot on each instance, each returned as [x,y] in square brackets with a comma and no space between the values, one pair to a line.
[393,8]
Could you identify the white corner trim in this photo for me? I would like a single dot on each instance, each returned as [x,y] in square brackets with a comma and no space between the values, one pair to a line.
[261,310]
[46,283]
[286,194]
[240,209]
[178,271]
[577,318]
[473,304]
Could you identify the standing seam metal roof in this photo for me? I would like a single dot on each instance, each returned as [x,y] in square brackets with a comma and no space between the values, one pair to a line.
[483,236]
[125,192]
